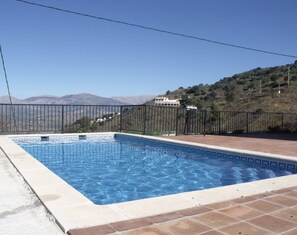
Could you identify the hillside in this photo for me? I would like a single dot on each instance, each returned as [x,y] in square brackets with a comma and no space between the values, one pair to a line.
[257,90]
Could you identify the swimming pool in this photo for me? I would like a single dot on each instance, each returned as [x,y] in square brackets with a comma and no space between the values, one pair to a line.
[118,168]
[71,209]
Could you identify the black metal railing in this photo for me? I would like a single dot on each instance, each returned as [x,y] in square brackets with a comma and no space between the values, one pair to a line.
[142,119]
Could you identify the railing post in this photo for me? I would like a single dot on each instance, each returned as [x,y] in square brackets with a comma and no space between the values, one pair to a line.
[219,122]
[62,118]
[247,122]
[121,118]
[204,122]
[144,121]
[282,122]
[176,121]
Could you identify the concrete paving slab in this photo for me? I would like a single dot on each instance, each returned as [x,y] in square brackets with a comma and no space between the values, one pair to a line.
[21,212]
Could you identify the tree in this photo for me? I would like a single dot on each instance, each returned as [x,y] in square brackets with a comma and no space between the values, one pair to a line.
[215,109]
[213,95]
[185,100]
[230,96]
[273,77]
[197,103]
[229,93]
[193,90]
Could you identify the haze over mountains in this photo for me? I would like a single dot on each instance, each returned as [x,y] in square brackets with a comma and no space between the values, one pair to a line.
[80,99]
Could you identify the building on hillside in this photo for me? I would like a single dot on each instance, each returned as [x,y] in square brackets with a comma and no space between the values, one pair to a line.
[191,107]
[164,101]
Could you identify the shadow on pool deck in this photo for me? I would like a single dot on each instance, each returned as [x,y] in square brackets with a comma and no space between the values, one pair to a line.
[275,136]
[269,213]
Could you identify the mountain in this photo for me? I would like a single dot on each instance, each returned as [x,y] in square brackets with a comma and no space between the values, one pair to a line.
[5,100]
[43,100]
[75,99]
[80,99]
[270,89]
[134,100]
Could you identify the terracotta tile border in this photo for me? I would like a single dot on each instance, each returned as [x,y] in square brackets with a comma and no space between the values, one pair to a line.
[291,232]
[241,212]
[245,228]
[130,224]
[185,226]
[212,232]
[194,211]
[273,224]
[164,217]
[282,200]
[287,214]
[264,206]
[219,205]
[257,214]
[96,230]
[150,230]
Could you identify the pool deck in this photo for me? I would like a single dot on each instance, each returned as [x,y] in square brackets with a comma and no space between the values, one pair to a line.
[243,211]
[21,212]
[273,143]
[273,212]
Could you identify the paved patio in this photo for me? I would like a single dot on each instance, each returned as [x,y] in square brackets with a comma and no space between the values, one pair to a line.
[274,143]
[273,212]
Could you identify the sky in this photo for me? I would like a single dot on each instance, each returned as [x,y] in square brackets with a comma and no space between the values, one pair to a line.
[47,52]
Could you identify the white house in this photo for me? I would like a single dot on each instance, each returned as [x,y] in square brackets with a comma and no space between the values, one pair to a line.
[164,101]
[191,107]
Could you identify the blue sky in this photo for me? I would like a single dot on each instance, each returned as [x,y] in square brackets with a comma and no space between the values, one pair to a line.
[53,53]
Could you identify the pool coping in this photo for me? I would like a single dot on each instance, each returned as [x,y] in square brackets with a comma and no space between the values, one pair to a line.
[73,210]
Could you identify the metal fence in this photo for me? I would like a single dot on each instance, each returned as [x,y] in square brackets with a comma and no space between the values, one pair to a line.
[142,119]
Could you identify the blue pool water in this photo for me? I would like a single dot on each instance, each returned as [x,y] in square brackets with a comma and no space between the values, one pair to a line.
[124,168]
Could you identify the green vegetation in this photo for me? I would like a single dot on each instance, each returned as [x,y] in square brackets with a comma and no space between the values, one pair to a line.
[85,124]
[265,89]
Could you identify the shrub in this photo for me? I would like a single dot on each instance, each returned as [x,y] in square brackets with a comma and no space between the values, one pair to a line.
[230,96]
[273,77]
[238,131]
[259,110]
[274,129]
[240,82]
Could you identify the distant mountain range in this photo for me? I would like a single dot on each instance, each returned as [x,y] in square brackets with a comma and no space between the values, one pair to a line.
[80,99]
